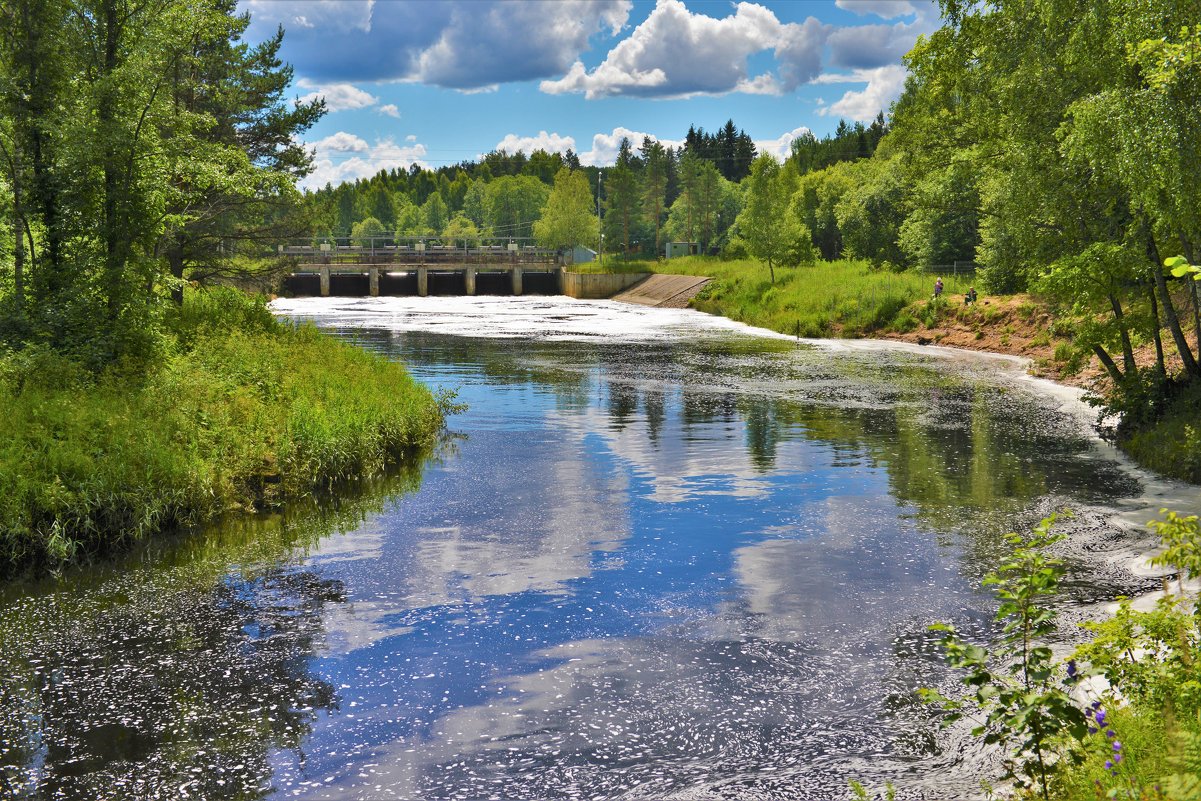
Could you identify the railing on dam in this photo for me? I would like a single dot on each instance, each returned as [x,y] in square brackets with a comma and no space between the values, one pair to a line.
[418,257]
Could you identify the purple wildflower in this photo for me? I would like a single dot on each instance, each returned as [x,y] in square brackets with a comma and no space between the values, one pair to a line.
[1110,733]
[1117,746]
[1100,717]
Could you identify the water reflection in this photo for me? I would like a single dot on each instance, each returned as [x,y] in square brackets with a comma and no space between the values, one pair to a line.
[175,673]
[677,566]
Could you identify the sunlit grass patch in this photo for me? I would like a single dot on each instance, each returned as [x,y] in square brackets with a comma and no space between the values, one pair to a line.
[244,415]
[847,298]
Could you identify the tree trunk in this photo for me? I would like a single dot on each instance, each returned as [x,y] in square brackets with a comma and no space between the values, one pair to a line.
[1159,360]
[18,230]
[1169,311]
[1188,254]
[1127,348]
[106,113]
[175,263]
[1109,365]
[35,110]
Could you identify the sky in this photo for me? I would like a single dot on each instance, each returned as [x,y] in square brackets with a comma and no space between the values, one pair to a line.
[436,82]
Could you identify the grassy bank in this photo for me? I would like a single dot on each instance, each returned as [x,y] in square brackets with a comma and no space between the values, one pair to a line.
[844,298]
[241,412]
[1170,445]
[850,299]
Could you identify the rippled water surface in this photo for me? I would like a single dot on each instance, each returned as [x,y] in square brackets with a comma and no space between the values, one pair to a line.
[658,557]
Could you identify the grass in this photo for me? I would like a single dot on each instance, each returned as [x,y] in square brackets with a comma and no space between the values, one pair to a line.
[841,298]
[243,413]
[1155,747]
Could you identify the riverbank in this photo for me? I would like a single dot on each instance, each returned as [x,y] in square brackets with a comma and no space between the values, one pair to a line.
[849,299]
[241,412]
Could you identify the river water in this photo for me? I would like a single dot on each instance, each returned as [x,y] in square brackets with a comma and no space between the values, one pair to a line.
[659,556]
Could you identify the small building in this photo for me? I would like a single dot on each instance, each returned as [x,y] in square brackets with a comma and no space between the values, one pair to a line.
[579,255]
[674,249]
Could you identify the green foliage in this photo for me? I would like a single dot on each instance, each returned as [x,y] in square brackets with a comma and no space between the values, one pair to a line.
[767,224]
[623,207]
[1169,443]
[1018,688]
[366,232]
[246,414]
[568,218]
[1180,268]
[461,231]
[861,793]
[515,203]
[942,227]
[434,213]
[706,206]
[816,200]
[870,214]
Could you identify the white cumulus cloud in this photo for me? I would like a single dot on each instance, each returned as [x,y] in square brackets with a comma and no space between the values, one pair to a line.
[781,146]
[881,8]
[338,96]
[551,143]
[391,110]
[676,53]
[606,145]
[341,142]
[884,86]
[346,157]
[457,44]
[324,15]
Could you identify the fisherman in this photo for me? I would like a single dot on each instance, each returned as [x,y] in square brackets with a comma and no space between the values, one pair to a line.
[938,288]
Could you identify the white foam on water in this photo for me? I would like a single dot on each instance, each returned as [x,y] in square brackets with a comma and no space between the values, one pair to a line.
[529,317]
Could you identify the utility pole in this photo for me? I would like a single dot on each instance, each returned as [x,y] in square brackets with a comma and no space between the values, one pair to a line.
[600,233]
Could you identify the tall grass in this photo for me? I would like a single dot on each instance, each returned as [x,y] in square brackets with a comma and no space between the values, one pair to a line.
[846,298]
[244,414]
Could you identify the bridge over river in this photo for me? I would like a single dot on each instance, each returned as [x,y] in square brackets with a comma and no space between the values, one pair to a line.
[417,266]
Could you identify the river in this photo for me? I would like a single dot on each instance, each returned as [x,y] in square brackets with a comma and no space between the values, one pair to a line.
[659,556]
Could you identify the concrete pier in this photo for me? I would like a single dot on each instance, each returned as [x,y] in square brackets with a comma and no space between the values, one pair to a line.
[373,281]
[325,282]
[423,282]
[469,280]
[516,279]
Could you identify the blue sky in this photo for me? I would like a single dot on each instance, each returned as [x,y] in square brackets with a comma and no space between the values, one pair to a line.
[436,82]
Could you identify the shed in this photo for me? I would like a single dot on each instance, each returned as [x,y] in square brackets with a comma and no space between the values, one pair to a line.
[674,249]
[580,255]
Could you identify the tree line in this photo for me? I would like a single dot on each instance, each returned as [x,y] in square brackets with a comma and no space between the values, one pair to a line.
[652,194]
